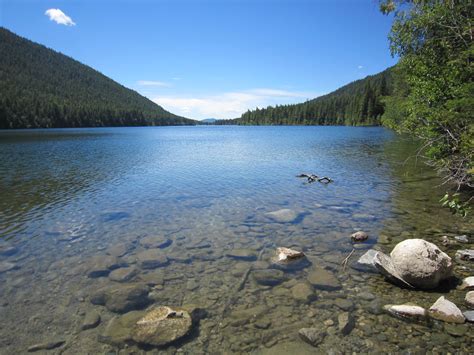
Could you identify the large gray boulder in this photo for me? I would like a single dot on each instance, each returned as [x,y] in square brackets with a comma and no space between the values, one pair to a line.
[420,263]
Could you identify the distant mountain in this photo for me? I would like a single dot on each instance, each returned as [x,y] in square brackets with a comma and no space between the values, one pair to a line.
[209,120]
[357,103]
[40,87]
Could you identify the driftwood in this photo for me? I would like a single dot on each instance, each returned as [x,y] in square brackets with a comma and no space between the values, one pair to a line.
[346,260]
[312,178]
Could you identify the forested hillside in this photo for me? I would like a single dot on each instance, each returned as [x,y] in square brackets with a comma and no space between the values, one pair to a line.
[43,88]
[358,103]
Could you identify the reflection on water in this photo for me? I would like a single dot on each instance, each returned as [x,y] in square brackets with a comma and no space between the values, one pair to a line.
[78,203]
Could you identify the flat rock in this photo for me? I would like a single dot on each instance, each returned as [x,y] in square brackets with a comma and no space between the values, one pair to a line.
[283,216]
[312,336]
[268,277]
[289,260]
[151,258]
[123,274]
[46,346]
[469,299]
[303,292]
[242,254]
[323,279]
[156,241]
[446,311]
[466,254]
[6,266]
[420,263]
[406,311]
[91,320]
[359,236]
[366,262]
[344,304]
[121,299]
[162,326]
[120,249]
[102,265]
[153,278]
[469,315]
[467,283]
[345,323]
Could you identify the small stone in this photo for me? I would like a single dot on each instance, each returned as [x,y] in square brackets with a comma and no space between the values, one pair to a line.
[161,326]
[359,236]
[462,238]
[46,346]
[469,299]
[406,311]
[312,336]
[123,274]
[323,279]
[345,323]
[152,258]
[242,254]
[192,285]
[283,216]
[121,299]
[469,315]
[344,304]
[262,324]
[366,296]
[467,283]
[446,311]
[466,254]
[328,322]
[289,260]
[91,320]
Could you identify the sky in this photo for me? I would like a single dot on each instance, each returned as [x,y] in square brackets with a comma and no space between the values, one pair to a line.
[213,58]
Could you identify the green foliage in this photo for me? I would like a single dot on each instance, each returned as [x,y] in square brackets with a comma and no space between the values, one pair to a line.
[358,103]
[434,90]
[42,88]
[455,204]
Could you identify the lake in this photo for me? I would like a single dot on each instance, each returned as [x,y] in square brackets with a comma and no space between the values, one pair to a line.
[182,212]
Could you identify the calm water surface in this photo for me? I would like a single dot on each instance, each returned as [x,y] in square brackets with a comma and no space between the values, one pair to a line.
[75,202]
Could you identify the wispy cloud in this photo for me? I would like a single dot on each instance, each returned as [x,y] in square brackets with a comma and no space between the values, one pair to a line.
[230,104]
[360,67]
[153,83]
[59,17]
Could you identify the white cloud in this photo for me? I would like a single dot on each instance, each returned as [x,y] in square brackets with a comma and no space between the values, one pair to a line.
[153,83]
[59,17]
[360,67]
[229,104]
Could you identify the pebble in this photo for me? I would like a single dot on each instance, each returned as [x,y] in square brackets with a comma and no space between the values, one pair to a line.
[345,323]
[469,299]
[46,346]
[91,320]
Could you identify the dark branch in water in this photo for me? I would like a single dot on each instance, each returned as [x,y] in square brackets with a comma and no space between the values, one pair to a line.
[312,178]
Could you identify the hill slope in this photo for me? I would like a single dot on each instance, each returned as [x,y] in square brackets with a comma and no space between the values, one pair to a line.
[357,103]
[40,87]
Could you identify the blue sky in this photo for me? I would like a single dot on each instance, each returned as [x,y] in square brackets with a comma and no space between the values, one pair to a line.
[203,58]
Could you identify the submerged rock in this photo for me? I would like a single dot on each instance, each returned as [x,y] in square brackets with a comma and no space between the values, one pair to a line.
[120,249]
[123,298]
[446,311]
[303,292]
[118,331]
[406,311]
[6,266]
[161,326]
[268,277]
[289,259]
[469,299]
[312,336]
[157,241]
[102,265]
[123,274]
[466,254]
[91,320]
[323,279]
[359,236]
[283,216]
[420,263]
[467,283]
[46,346]
[345,323]
[242,254]
[151,259]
